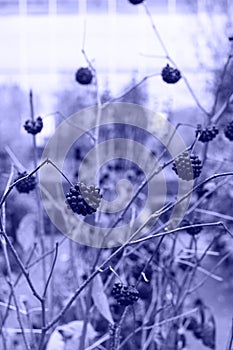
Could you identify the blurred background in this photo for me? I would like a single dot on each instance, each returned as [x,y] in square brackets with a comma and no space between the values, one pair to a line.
[41,46]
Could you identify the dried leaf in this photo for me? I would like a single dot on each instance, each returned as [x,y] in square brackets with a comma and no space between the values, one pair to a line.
[100,299]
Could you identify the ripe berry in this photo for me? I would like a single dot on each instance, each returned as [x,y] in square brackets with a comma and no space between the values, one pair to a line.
[207,134]
[187,167]
[170,75]
[33,127]
[125,295]
[136,2]
[84,76]
[26,185]
[228,131]
[192,230]
[83,199]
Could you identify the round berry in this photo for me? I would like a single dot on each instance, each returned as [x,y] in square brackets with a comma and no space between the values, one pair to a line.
[125,295]
[206,135]
[33,126]
[136,2]
[83,199]
[170,75]
[26,185]
[84,76]
[228,131]
[187,167]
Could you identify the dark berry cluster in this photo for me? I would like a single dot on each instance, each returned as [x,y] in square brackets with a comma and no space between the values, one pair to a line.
[170,75]
[228,131]
[84,76]
[136,2]
[187,167]
[26,185]
[83,199]
[125,295]
[133,173]
[192,230]
[206,135]
[34,127]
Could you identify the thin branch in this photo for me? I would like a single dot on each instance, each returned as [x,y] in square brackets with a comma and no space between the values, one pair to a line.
[214,213]
[52,269]
[11,285]
[175,230]
[228,61]
[222,109]
[15,284]
[215,176]
[142,186]
[6,194]
[158,324]
[19,262]
[132,88]
[46,254]
[100,269]
[47,161]
[61,172]
[202,282]
[157,34]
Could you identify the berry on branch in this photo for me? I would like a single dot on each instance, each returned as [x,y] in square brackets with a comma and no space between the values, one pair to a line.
[84,76]
[34,127]
[83,199]
[26,185]
[136,2]
[191,230]
[170,75]
[206,135]
[228,131]
[125,295]
[187,167]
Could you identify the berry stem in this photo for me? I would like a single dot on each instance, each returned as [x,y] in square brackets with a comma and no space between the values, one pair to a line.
[157,34]
[31,105]
[115,273]
[12,289]
[40,223]
[118,329]
[61,172]
[46,161]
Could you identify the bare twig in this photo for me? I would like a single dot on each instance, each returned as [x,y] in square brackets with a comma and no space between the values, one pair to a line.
[158,324]
[132,88]
[4,318]
[225,68]
[200,284]
[157,34]
[8,266]
[51,270]
[46,161]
